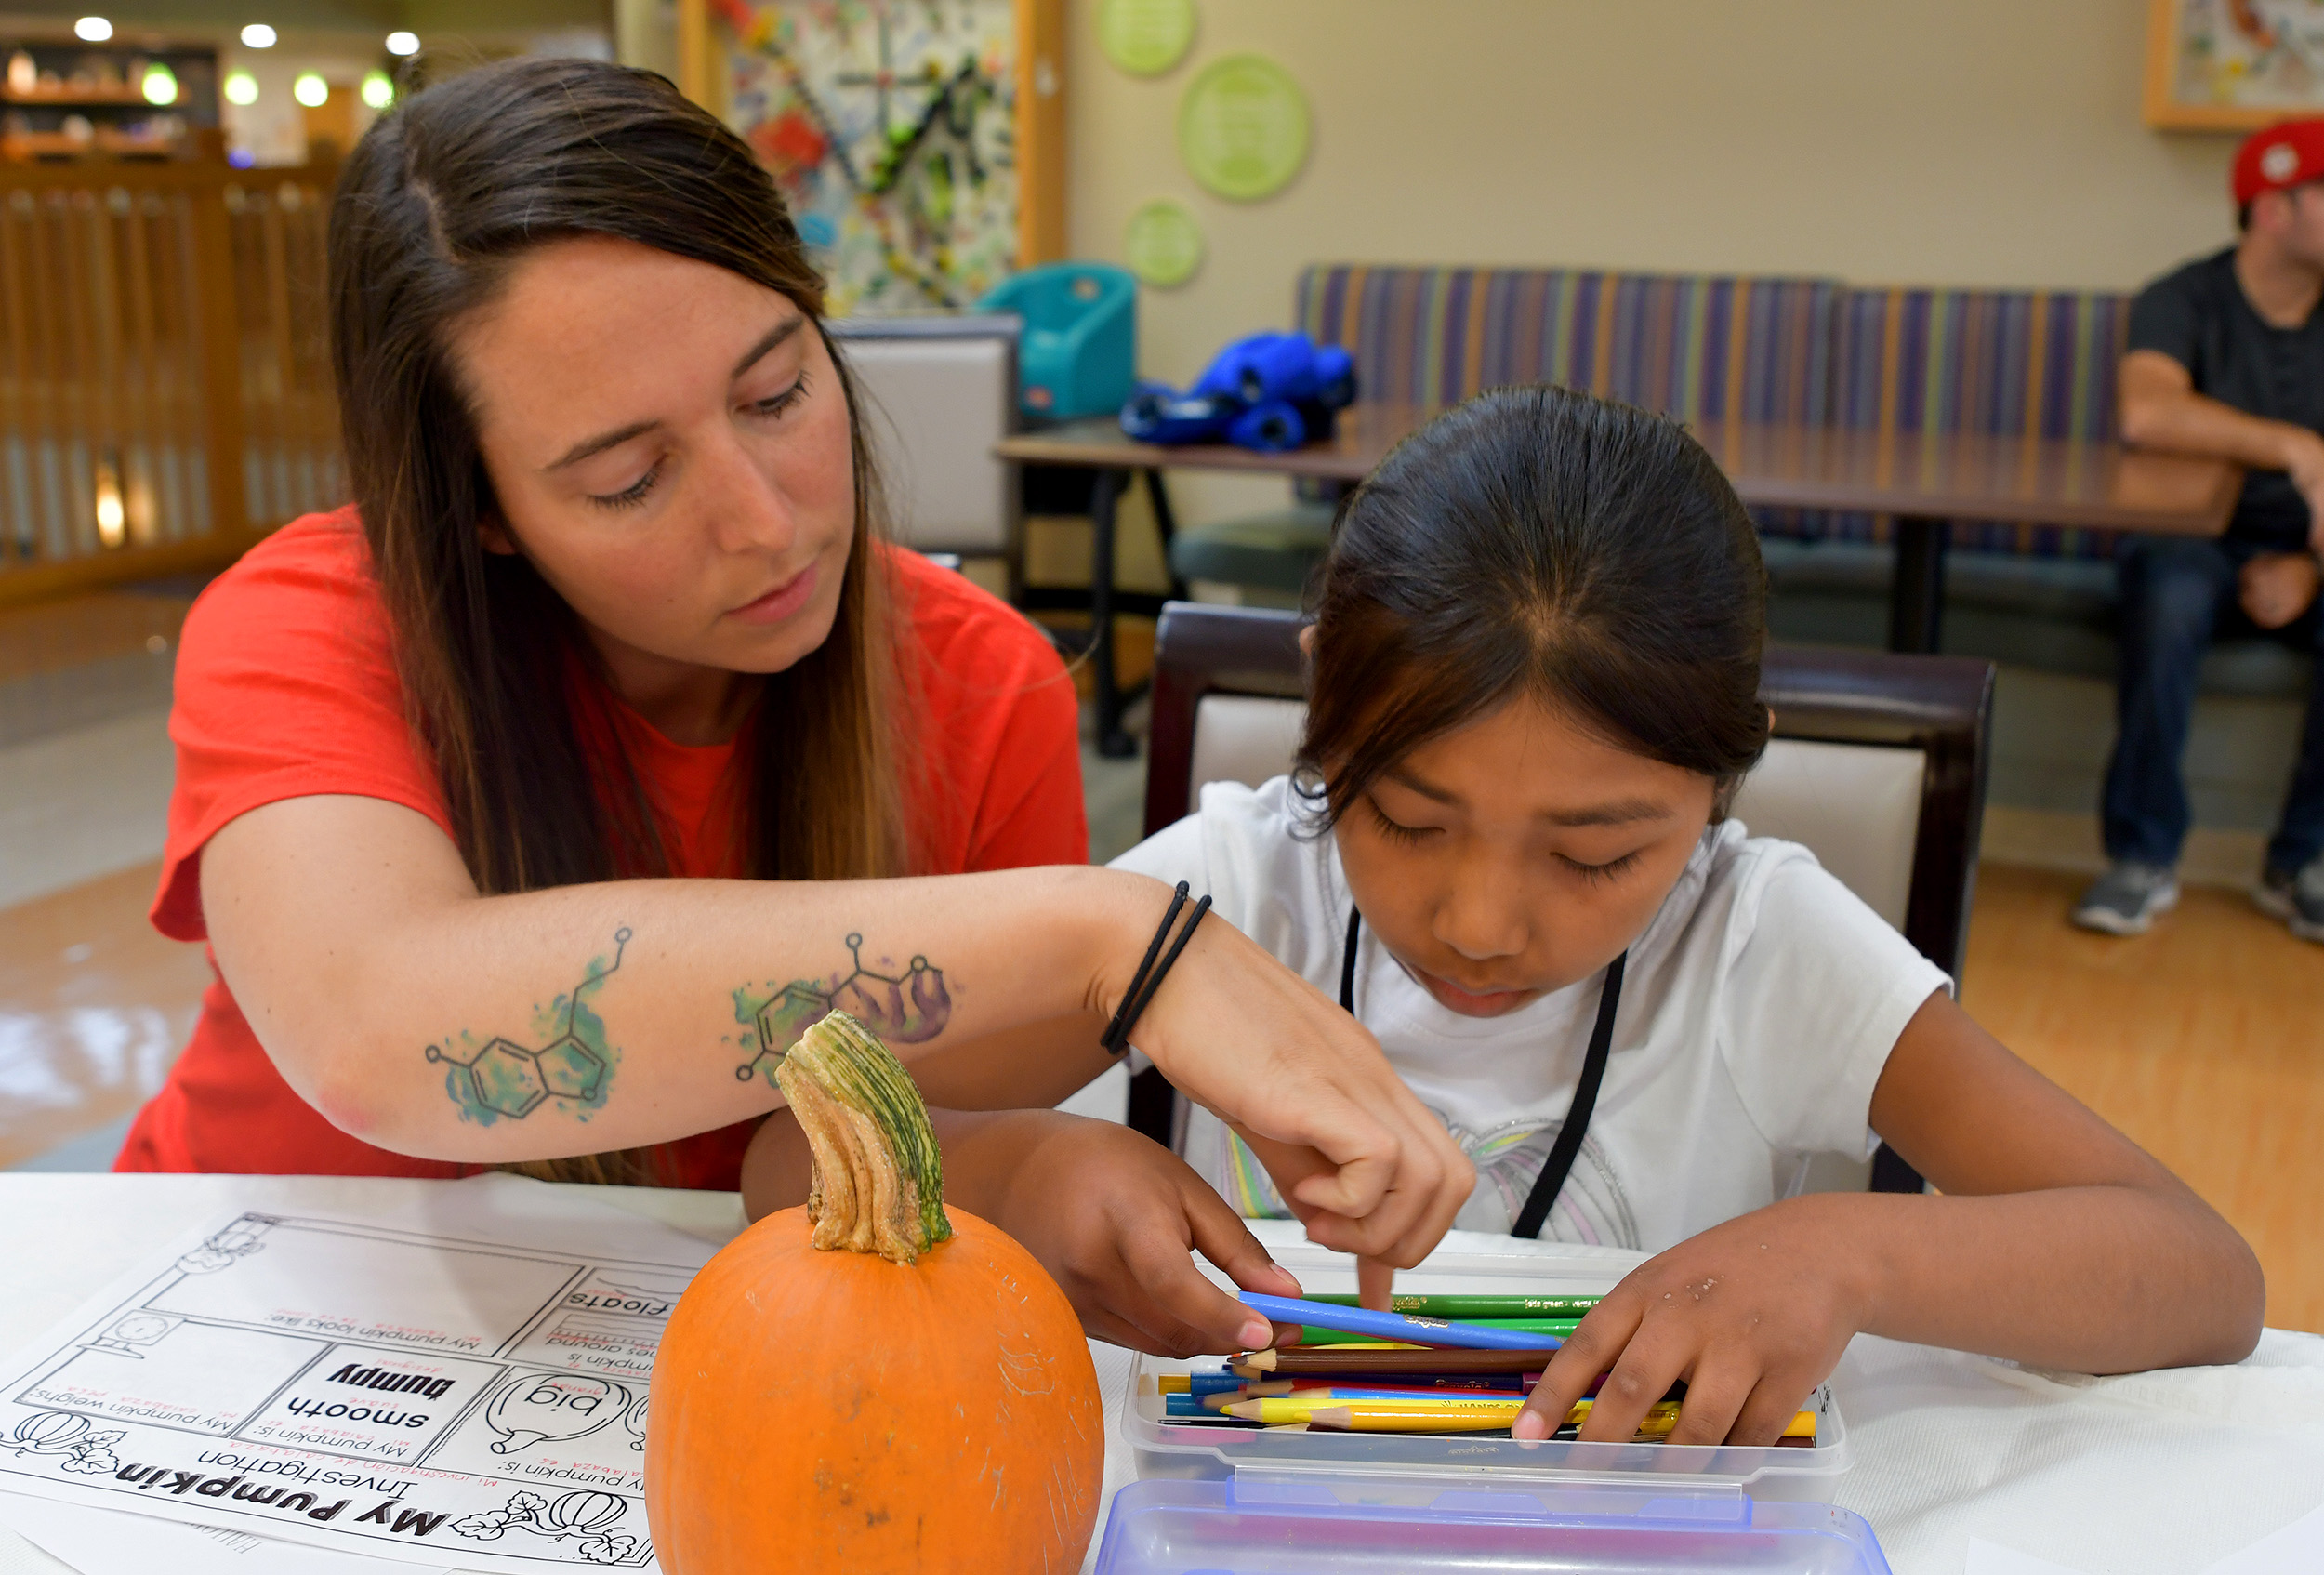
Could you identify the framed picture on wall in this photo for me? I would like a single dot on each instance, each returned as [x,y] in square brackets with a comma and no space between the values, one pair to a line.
[917,143]
[2233,65]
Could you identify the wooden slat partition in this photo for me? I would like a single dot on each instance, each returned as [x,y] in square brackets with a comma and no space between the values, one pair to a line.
[164,374]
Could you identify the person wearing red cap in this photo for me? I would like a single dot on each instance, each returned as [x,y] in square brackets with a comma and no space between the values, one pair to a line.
[2225,357]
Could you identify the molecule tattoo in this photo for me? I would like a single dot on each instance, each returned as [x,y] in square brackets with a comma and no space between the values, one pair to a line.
[901,1008]
[503,1077]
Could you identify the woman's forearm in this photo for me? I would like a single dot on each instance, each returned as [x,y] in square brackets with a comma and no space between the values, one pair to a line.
[605,1016]
[426,1019]
[675,998]
[2109,1279]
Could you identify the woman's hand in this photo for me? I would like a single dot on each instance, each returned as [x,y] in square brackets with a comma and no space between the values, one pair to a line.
[1114,1217]
[1360,1160]
[1752,1314]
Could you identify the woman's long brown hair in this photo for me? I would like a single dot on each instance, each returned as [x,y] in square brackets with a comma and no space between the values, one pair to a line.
[439,201]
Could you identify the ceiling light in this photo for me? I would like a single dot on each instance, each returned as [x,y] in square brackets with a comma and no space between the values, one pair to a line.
[311,90]
[92,30]
[401,42]
[112,518]
[242,87]
[258,35]
[378,92]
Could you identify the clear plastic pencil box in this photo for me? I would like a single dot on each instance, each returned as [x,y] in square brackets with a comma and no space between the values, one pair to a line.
[1223,1502]
[1413,1468]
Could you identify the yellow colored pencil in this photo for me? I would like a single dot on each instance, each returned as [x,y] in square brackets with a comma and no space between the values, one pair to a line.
[1371,1419]
[1802,1425]
[1285,1408]
[1457,1415]
[1284,1399]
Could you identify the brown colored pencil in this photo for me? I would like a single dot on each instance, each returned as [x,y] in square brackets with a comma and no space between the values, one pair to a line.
[1327,1359]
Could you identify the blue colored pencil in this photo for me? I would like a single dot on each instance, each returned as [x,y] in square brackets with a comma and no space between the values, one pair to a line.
[1400,1392]
[1398,1326]
[1200,1383]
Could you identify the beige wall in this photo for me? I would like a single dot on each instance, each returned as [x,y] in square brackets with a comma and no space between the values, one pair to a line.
[1943,142]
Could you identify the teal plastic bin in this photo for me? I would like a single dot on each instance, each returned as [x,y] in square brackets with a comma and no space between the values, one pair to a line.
[1079,354]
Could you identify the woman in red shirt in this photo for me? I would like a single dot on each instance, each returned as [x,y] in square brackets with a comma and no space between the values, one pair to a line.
[532,805]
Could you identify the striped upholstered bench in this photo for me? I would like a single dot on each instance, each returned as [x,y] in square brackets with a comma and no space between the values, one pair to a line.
[2034,362]
[1691,346]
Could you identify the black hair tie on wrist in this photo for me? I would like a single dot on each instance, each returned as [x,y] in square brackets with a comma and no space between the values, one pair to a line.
[1149,978]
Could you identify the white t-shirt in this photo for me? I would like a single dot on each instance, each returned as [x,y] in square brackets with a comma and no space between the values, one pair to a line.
[1757,1011]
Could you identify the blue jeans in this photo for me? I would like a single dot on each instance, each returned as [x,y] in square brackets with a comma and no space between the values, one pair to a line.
[2177,597]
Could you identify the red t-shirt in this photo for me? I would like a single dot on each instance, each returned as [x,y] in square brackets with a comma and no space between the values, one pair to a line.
[286,686]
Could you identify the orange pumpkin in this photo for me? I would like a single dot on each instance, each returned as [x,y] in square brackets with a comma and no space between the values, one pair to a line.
[872,1382]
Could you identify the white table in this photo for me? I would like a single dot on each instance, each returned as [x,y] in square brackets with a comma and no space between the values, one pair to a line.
[2160,1473]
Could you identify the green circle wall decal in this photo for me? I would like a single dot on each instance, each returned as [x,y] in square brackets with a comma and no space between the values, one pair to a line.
[1163,243]
[1146,37]
[1242,128]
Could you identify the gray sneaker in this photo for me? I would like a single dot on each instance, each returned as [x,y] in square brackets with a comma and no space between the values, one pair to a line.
[2297,899]
[2125,899]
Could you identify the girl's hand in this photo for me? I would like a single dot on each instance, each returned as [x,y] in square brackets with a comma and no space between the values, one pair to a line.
[1752,1314]
[1114,1217]
[1362,1162]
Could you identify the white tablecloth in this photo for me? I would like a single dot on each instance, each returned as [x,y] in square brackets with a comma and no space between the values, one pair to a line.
[2160,1473]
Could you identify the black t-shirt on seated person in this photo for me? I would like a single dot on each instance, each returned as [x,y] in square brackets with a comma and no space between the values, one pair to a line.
[2198,316]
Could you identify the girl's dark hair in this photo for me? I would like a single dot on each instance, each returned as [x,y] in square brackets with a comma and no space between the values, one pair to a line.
[439,203]
[1537,541]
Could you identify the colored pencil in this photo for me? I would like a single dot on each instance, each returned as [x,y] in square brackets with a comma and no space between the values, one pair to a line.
[1316,1334]
[1360,1391]
[1480,1384]
[1289,1406]
[1483,1309]
[1396,1326]
[1367,1419]
[1801,1426]
[1339,1359]
[1222,1382]
[1354,1419]
[1254,1388]
[1198,1382]
[1273,1411]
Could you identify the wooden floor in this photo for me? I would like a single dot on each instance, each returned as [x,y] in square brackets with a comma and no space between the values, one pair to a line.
[2203,1040]
[52,636]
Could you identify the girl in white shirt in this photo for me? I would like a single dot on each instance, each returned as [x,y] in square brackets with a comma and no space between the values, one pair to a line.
[1533,691]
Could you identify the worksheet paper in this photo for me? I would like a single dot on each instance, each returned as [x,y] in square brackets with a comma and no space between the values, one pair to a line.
[100,1542]
[463,1384]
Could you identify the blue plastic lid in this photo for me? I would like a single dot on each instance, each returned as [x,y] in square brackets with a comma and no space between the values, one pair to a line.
[1170,1526]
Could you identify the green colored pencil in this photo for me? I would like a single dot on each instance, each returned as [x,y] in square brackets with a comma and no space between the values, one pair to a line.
[1313,1334]
[1479,1310]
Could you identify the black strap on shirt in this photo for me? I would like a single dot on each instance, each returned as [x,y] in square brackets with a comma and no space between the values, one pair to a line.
[1567,1149]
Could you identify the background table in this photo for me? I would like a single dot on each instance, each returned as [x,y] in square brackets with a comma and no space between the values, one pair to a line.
[2155,1473]
[1921,479]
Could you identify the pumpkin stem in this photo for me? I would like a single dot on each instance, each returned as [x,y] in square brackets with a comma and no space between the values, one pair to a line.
[879,1177]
